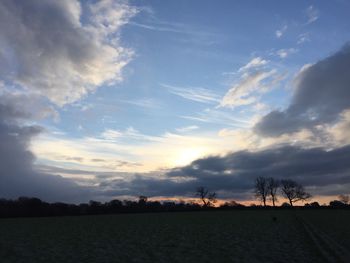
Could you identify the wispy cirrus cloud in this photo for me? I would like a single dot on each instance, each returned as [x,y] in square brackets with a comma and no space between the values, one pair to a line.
[242,93]
[149,152]
[187,128]
[221,117]
[130,134]
[149,103]
[286,52]
[312,14]
[280,32]
[302,38]
[254,63]
[193,93]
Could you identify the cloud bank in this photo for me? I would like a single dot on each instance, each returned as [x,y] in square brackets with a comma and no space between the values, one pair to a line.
[321,94]
[18,176]
[233,175]
[58,52]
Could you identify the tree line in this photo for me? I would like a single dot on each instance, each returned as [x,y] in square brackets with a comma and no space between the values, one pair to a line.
[265,189]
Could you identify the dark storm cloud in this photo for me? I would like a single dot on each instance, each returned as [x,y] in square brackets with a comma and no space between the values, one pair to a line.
[322,92]
[18,176]
[234,174]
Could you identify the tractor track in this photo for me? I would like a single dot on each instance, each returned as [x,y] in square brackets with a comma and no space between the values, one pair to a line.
[330,250]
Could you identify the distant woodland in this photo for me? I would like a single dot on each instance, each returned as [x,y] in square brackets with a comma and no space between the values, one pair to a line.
[265,189]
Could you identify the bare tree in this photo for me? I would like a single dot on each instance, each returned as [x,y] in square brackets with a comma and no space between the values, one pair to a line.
[206,197]
[293,191]
[261,189]
[272,187]
[344,199]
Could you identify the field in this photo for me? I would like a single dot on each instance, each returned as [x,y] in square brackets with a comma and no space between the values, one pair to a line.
[223,236]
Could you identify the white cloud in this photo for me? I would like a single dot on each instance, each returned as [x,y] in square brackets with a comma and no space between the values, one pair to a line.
[193,93]
[110,134]
[149,103]
[280,32]
[130,134]
[283,53]
[312,14]
[339,133]
[302,38]
[242,93]
[50,50]
[220,117]
[254,63]
[187,128]
[151,153]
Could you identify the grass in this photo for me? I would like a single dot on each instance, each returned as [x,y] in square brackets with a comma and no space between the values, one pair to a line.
[225,236]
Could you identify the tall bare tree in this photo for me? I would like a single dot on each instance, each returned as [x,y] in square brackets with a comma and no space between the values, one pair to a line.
[272,187]
[293,191]
[261,189]
[206,197]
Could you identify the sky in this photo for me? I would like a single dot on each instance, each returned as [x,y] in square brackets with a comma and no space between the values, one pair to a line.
[115,99]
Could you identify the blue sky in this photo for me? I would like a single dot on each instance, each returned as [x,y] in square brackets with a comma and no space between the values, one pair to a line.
[125,87]
[199,47]
[193,45]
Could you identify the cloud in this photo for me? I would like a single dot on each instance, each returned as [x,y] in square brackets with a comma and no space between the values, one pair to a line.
[65,49]
[312,14]
[147,103]
[220,117]
[339,133]
[193,93]
[187,128]
[52,51]
[321,94]
[254,63]
[18,176]
[233,174]
[302,38]
[130,133]
[283,53]
[280,32]
[242,93]
[19,105]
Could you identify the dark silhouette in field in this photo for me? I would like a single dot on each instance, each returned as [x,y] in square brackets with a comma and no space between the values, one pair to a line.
[337,204]
[267,188]
[261,189]
[313,204]
[293,191]
[272,187]
[207,198]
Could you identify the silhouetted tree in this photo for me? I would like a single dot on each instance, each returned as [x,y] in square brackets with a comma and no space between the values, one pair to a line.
[261,189]
[293,191]
[337,204]
[344,199]
[206,197]
[272,187]
[315,204]
[142,200]
[285,204]
[231,204]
